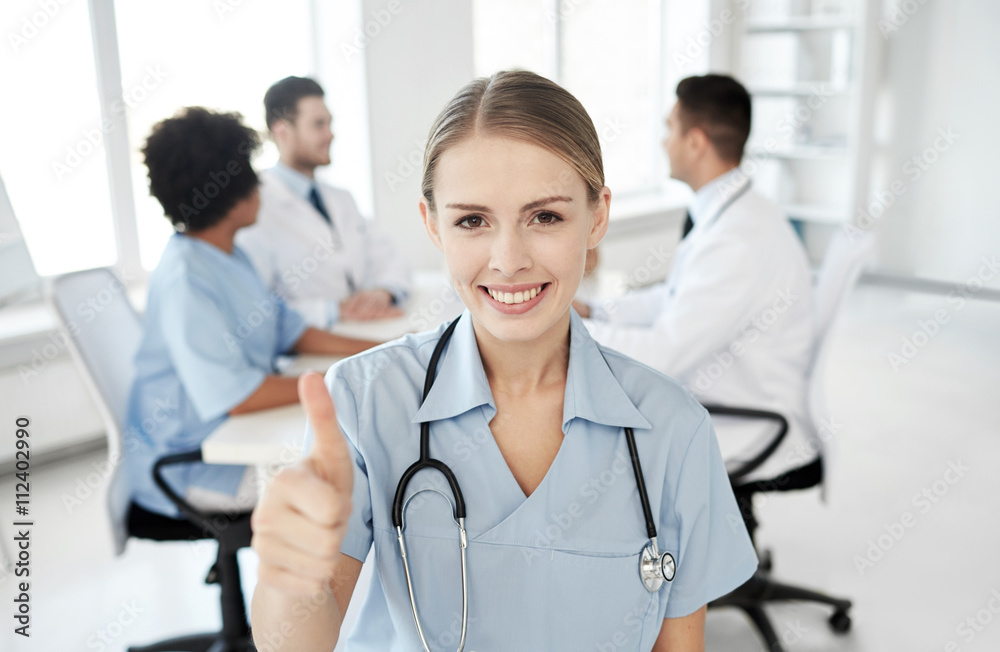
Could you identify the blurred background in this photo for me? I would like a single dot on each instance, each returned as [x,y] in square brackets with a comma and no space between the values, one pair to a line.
[869,115]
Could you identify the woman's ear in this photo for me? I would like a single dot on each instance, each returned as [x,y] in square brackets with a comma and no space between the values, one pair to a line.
[430,223]
[599,223]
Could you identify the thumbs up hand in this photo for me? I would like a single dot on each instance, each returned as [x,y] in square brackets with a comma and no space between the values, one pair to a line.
[301,519]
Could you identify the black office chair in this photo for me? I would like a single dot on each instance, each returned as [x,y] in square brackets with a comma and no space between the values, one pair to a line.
[842,265]
[104,349]
[762,588]
[232,533]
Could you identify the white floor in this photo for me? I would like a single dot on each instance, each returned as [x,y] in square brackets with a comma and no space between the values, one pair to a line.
[902,430]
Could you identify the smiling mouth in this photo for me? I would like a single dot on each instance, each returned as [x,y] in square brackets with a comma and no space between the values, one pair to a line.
[510,298]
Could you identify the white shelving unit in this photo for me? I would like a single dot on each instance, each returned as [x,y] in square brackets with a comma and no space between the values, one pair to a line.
[811,67]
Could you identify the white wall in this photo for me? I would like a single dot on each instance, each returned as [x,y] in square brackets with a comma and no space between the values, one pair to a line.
[943,73]
[415,64]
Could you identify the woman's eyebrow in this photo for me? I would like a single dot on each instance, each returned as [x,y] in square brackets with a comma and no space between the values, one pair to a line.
[538,203]
[479,208]
[468,207]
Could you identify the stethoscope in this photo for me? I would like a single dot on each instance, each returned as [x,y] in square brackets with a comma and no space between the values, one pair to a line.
[654,567]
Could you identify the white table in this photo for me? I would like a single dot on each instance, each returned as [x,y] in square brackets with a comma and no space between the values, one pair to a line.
[270,439]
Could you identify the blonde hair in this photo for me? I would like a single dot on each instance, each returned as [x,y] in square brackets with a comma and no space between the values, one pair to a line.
[522,105]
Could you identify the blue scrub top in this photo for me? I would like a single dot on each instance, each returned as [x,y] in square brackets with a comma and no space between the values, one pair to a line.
[211,333]
[558,570]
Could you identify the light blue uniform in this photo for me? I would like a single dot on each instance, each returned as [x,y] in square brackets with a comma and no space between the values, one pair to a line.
[211,333]
[558,570]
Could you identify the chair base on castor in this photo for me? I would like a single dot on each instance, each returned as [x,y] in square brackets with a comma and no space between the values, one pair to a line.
[761,589]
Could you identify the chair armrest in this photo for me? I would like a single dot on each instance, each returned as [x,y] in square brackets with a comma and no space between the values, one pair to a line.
[197,517]
[749,413]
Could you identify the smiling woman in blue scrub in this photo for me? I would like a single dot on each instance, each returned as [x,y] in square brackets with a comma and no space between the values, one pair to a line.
[548,463]
[211,330]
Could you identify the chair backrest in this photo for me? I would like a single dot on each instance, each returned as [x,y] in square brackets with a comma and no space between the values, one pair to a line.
[845,259]
[104,334]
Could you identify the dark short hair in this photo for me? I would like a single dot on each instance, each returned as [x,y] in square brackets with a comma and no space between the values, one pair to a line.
[282,99]
[720,106]
[199,165]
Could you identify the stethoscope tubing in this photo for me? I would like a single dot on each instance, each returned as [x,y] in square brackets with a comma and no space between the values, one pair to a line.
[652,562]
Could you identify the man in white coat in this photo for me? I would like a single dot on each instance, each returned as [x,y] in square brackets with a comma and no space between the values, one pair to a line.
[310,244]
[733,321]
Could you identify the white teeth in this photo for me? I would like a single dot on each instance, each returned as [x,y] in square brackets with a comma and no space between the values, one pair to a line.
[516,297]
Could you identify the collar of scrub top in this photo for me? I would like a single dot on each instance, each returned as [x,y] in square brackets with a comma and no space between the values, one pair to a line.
[714,195]
[592,391]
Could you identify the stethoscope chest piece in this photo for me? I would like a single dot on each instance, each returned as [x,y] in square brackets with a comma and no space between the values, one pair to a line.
[656,567]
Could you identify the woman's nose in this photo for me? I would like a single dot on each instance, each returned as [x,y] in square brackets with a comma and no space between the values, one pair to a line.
[510,253]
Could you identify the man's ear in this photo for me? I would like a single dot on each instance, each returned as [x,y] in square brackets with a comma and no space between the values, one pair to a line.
[430,223]
[601,214]
[280,130]
[698,141]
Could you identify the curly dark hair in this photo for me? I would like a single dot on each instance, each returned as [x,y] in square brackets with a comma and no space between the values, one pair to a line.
[199,165]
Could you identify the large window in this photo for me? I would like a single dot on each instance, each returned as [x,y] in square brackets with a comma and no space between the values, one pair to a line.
[621,59]
[171,54]
[53,160]
[219,55]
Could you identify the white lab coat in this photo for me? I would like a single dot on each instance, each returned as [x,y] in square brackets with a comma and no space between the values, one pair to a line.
[733,322]
[308,262]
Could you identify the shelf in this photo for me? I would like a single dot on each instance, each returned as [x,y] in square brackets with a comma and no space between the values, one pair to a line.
[821,213]
[798,89]
[803,153]
[800,24]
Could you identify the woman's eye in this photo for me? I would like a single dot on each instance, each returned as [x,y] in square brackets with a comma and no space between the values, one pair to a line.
[470,222]
[547,218]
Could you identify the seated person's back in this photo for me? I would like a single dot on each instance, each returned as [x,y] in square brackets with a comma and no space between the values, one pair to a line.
[212,329]
[733,321]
